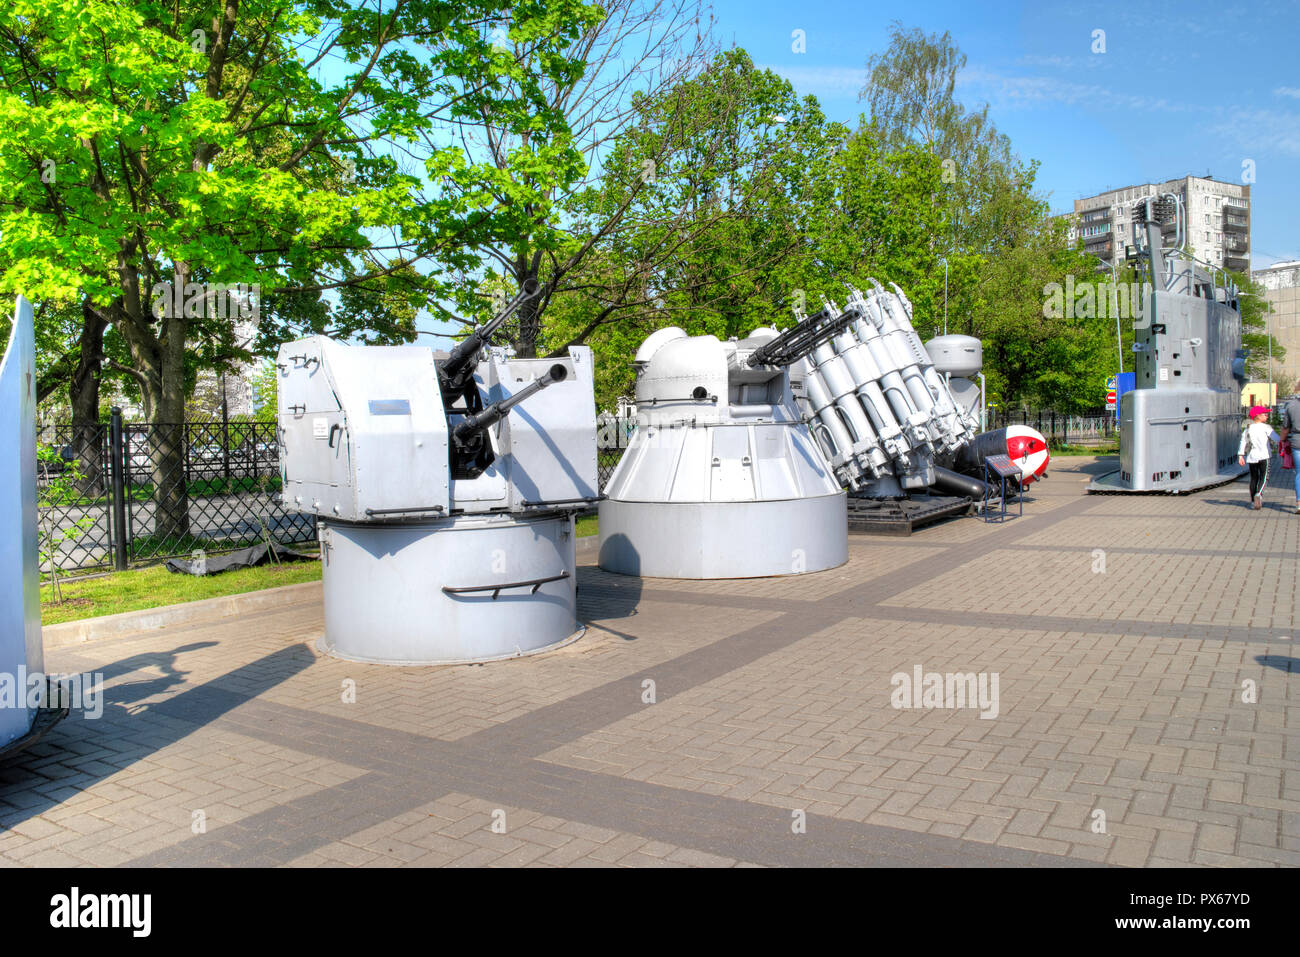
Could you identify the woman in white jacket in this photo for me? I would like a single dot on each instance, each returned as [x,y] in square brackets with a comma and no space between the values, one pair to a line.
[1254,452]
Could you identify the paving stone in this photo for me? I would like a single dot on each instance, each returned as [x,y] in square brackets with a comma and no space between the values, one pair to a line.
[1117,691]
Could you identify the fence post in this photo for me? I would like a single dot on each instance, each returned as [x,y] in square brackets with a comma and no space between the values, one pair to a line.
[225,433]
[118,524]
[1067,429]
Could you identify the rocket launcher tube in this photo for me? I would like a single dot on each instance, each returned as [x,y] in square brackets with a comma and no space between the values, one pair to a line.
[866,375]
[891,383]
[795,343]
[841,386]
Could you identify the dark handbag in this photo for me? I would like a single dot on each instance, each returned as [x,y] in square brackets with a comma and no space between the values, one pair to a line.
[1284,452]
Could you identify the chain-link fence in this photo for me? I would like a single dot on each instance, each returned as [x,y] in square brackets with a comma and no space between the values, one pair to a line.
[125,493]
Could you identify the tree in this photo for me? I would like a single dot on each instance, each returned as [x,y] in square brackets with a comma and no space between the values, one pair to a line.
[710,193]
[910,92]
[152,154]
[1255,333]
[548,232]
[1001,248]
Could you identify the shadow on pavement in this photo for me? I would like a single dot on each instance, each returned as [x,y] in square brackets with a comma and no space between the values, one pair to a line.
[83,750]
[1104,464]
[604,596]
[1280,662]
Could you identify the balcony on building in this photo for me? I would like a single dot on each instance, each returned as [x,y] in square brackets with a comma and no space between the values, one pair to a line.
[1236,224]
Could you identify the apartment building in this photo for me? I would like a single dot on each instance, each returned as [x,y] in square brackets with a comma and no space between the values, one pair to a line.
[1218,220]
[1281,284]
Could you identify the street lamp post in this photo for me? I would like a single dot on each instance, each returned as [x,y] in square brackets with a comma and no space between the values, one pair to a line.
[1114,308]
[945,294]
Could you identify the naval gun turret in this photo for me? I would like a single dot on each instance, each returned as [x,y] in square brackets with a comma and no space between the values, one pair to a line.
[722,478]
[1180,425]
[445,488]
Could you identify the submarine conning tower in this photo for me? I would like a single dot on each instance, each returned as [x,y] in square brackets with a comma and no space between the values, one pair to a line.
[1180,426]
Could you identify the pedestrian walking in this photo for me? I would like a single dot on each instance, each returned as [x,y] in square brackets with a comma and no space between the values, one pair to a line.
[1254,452]
[1291,424]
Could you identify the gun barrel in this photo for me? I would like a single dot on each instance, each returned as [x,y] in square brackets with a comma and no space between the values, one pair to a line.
[467,348]
[795,343]
[497,411]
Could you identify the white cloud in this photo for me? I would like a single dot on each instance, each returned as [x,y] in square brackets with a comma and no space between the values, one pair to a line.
[823,81]
[1261,132]
[1292,91]
[1012,92]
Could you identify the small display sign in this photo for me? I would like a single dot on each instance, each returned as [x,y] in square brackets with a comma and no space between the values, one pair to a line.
[1002,466]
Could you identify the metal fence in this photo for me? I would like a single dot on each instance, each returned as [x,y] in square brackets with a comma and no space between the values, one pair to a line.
[119,494]
[1095,428]
[122,493]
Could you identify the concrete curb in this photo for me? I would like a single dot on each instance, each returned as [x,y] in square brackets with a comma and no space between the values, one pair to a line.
[210,609]
[190,612]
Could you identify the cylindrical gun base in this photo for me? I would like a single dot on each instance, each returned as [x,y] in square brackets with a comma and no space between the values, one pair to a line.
[456,591]
[724,539]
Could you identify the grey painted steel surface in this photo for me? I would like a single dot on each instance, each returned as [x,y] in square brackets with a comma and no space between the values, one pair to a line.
[432,556]
[1180,426]
[21,651]
[723,539]
[420,593]
[956,354]
[721,478]
[883,415]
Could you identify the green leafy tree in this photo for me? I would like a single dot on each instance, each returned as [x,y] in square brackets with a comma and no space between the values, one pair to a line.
[1255,332]
[995,235]
[550,230]
[150,150]
[710,188]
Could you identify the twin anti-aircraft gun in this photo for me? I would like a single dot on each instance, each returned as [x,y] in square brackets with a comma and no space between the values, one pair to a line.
[445,488]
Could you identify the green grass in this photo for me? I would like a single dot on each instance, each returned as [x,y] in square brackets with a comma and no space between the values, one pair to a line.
[1112,449]
[587,525]
[154,587]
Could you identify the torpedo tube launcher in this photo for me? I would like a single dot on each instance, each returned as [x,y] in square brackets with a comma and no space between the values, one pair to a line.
[1180,426]
[445,488]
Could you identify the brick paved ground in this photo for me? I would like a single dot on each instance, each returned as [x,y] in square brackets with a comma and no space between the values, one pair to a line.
[1120,692]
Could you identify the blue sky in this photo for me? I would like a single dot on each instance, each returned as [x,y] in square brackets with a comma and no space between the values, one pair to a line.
[1183,88]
